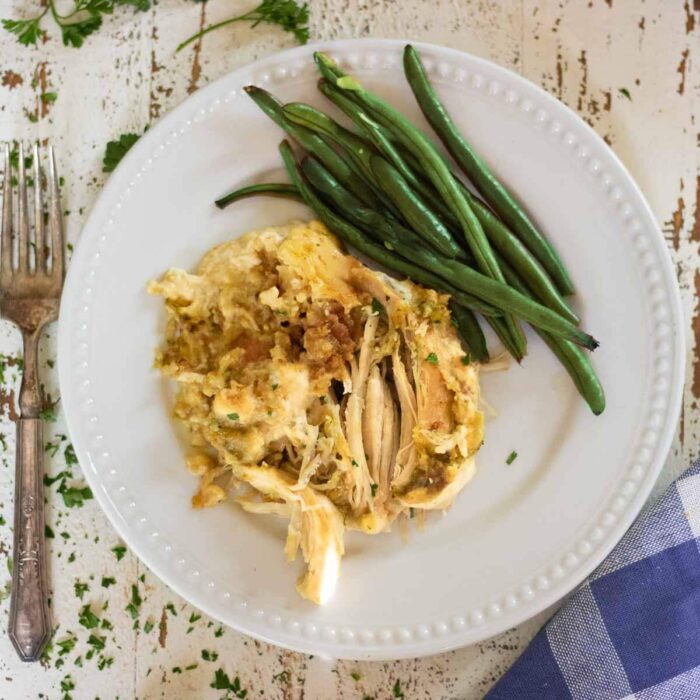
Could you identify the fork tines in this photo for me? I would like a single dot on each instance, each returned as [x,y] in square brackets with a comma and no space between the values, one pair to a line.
[29,251]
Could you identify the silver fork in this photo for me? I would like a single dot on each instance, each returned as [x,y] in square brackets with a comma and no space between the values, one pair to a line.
[31,278]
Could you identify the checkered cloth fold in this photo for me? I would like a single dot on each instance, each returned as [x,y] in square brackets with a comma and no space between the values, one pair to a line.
[632,631]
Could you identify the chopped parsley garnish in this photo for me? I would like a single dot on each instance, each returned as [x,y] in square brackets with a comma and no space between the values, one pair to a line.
[105,662]
[232,416]
[50,480]
[97,643]
[67,684]
[354,463]
[171,609]
[116,150]
[177,669]
[191,667]
[625,93]
[69,455]
[355,675]
[219,632]
[119,551]
[194,617]
[48,532]
[73,496]
[148,626]
[374,488]
[209,655]
[432,358]
[282,677]
[396,690]
[222,682]
[377,307]
[467,359]
[134,606]
[80,589]
[286,14]
[48,414]
[87,618]
[275,387]
[65,646]
[108,581]
[512,457]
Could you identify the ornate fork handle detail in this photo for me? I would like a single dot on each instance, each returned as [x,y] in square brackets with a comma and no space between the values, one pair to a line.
[30,625]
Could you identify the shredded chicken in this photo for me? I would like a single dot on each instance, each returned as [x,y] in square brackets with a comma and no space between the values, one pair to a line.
[317,390]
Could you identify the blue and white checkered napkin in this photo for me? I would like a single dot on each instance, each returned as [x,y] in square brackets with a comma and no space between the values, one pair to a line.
[632,631]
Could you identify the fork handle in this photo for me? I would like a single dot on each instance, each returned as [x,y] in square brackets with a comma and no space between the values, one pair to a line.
[30,624]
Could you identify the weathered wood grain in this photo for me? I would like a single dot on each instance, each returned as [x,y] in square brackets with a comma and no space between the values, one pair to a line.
[626,67]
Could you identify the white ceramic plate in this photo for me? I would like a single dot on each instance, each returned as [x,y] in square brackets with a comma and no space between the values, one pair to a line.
[520,536]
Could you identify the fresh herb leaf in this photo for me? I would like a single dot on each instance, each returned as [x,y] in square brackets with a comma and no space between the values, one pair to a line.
[232,416]
[73,496]
[194,617]
[355,675]
[97,643]
[148,626]
[209,655]
[69,455]
[65,646]
[396,690]
[219,632]
[171,609]
[105,662]
[48,414]
[377,307]
[26,30]
[512,457]
[432,358]
[80,589]
[222,682]
[134,606]
[48,532]
[119,551]
[50,480]
[625,93]
[287,14]
[374,488]
[87,618]
[354,463]
[116,150]
[108,581]
[467,359]
[191,667]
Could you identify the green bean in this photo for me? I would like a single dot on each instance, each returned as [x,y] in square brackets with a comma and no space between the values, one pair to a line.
[314,144]
[436,170]
[416,213]
[501,330]
[469,329]
[376,133]
[343,201]
[485,181]
[513,250]
[573,359]
[453,273]
[357,149]
[270,189]
[431,162]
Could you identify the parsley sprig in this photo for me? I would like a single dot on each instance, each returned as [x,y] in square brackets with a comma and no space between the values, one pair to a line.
[293,18]
[84,19]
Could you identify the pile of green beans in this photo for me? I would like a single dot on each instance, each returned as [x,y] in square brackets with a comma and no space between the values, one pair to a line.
[387,192]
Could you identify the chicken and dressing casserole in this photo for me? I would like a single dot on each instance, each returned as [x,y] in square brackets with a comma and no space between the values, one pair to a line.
[317,389]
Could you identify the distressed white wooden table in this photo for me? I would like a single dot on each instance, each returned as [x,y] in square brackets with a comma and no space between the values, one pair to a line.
[626,67]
